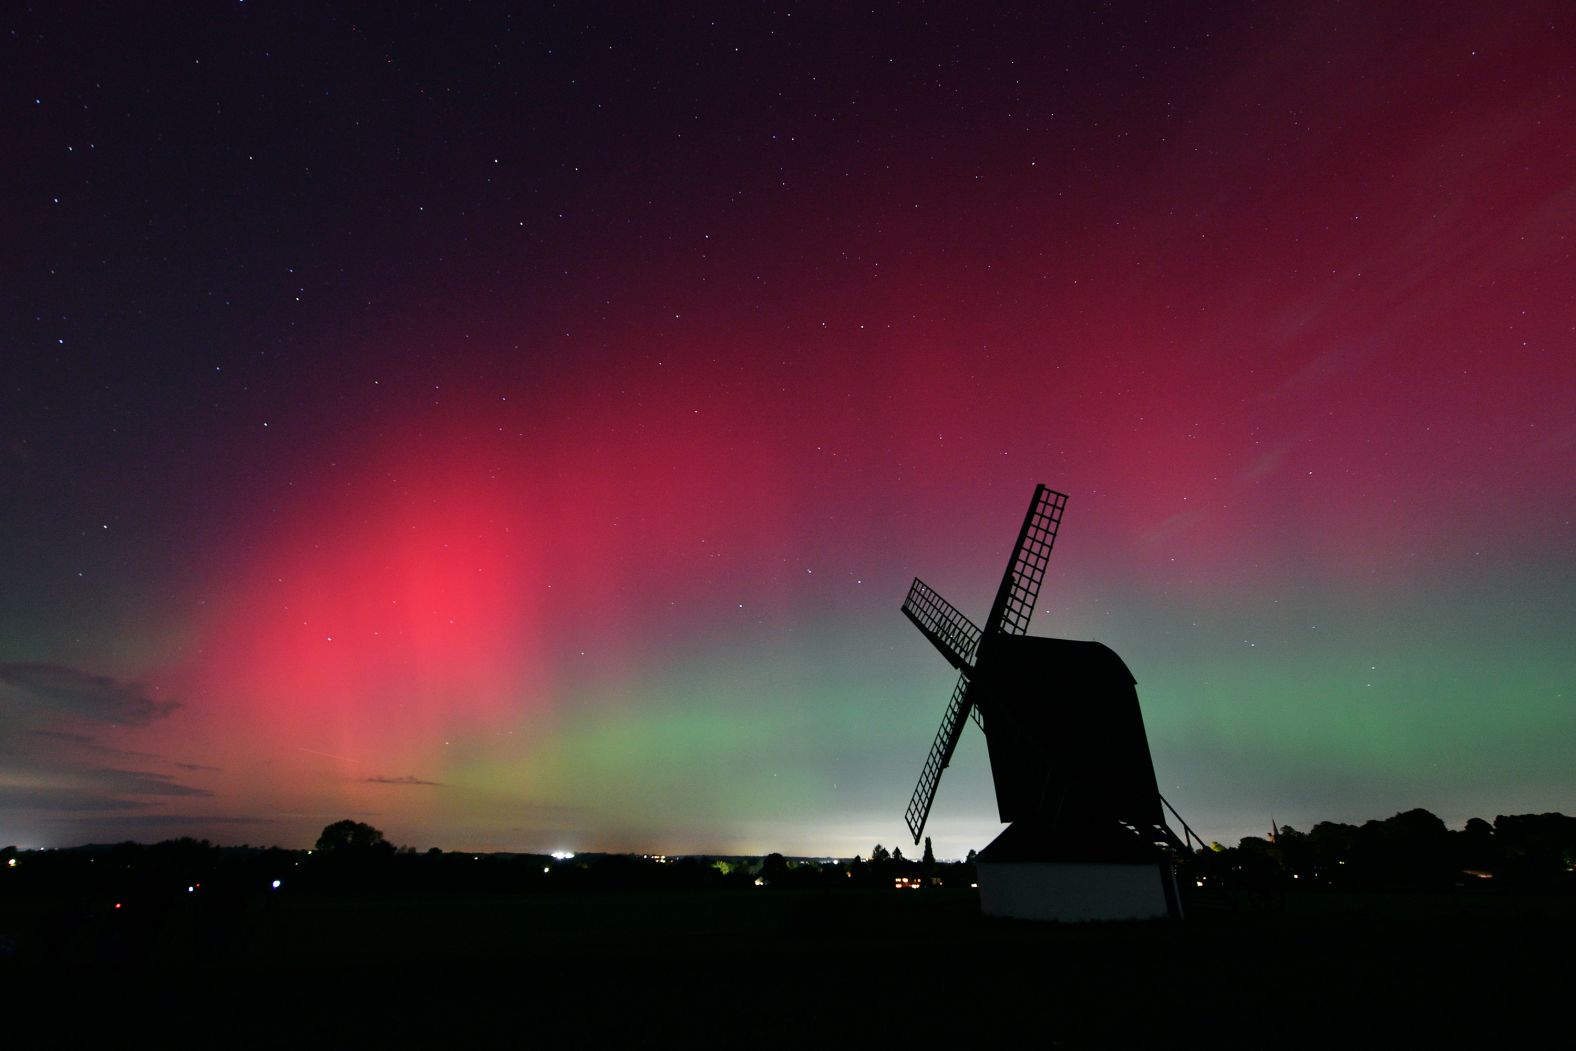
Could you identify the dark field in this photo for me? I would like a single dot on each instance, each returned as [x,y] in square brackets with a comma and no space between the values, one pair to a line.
[774,967]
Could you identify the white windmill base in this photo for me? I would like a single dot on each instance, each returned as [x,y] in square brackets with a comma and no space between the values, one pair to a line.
[1074,892]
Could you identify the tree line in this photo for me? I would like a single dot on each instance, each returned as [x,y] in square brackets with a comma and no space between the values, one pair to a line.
[1413,850]
[353,857]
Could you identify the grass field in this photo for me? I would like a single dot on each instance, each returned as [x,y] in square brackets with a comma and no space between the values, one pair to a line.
[785,967]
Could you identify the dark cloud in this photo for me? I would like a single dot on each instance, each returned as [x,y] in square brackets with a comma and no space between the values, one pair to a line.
[69,692]
[408,779]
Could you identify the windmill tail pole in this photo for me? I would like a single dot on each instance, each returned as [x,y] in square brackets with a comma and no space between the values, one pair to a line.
[1187,830]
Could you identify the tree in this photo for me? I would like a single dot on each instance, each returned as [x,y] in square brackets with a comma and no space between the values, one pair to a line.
[1332,843]
[353,837]
[929,860]
[880,854]
[1537,849]
[1474,846]
[774,869]
[1295,851]
[1410,849]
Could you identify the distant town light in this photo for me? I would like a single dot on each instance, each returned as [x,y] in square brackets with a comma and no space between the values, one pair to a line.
[563,855]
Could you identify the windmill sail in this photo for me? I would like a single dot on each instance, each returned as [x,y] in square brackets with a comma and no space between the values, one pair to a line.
[940,755]
[943,624]
[959,639]
[1020,585]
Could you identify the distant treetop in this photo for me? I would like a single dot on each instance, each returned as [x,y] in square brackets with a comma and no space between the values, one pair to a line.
[352,837]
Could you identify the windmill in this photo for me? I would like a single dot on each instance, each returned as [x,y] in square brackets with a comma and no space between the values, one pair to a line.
[1087,838]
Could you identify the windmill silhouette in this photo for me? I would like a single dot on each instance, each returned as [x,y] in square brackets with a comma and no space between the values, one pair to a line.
[1087,838]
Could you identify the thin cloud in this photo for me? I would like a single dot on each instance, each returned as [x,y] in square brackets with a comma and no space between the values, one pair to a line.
[1264,466]
[59,748]
[165,820]
[86,741]
[68,738]
[197,767]
[65,789]
[140,783]
[408,779]
[64,691]
[1170,527]
[63,799]
[64,740]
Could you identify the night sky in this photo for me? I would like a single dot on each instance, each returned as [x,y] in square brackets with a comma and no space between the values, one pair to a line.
[518,429]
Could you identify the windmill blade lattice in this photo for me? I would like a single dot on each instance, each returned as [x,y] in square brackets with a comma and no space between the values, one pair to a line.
[940,755]
[954,634]
[1020,585]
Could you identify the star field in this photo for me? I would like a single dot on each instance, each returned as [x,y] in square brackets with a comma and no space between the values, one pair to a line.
[517,429]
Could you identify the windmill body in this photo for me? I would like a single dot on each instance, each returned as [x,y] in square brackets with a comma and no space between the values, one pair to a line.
[1087,838]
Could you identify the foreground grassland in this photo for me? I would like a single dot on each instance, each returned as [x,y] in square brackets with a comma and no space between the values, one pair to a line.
[789,967]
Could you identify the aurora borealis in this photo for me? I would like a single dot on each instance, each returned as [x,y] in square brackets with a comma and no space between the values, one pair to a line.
[517,430]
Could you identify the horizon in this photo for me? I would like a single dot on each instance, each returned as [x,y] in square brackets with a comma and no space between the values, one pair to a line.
[521,428]
[570,855]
